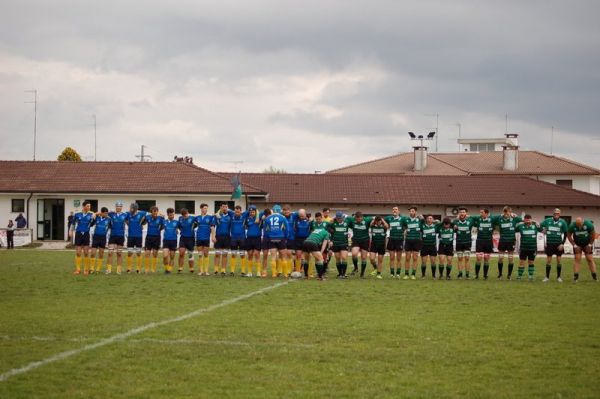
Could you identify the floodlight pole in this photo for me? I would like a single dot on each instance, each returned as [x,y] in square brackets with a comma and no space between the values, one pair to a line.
[459,129]
[552,141]
[34,102]
[95,142]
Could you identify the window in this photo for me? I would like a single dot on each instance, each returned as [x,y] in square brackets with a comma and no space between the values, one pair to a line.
[145,205]
[231,205]
[18,205]
[566,218]
[564,183]
[93,203]
[482,147]
[189,205]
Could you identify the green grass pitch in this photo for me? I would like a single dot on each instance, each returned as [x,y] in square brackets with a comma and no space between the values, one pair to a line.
[354,338]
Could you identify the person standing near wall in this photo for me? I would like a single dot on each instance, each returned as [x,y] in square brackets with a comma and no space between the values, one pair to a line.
[10,235]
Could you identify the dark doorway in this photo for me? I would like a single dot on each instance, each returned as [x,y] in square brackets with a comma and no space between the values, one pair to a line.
[51,219]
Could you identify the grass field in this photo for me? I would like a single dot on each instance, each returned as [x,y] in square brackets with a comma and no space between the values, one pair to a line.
[352,338]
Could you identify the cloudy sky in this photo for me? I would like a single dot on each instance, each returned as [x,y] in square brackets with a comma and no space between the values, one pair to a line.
[300,85]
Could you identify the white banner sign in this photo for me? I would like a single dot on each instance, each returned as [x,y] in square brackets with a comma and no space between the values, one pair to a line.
[21,237]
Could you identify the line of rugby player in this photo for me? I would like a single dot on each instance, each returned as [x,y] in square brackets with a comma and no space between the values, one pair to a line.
[292,241]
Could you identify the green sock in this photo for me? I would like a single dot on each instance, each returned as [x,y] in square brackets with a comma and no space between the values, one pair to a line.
[440,269]
[398,271]
[413,271]
[521,271]
[558,270]
[530,270]
[448,270]
[392,271]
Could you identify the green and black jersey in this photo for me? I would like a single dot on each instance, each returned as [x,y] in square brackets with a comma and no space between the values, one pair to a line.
[556,230]
[528,236]
[412,227]
[378,233]
[318,235]
[463,230]
[339,233]
[360,230]
[506,226]
[396,227]
[583,235]
[323,225]
[446,235]
[485,227]
[429,233]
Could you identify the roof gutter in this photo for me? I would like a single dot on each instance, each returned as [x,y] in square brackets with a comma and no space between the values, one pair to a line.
[28,198]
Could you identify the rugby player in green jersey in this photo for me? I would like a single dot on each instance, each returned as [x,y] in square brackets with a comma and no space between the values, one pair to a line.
[484,245]
[316,244]
[395,243]
[429,251]
[413,241]
[555,229]
[582,235]
[339,231]
[445,247]
[505,224]
[359,226]
[321,223]
[463,225]
[377,247]
[528,230]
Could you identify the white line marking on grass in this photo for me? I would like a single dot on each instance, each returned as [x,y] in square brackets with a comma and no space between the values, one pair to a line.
[134,331]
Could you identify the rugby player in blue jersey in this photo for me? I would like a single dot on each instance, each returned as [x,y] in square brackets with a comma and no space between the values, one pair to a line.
[290,243]
[81,224]
[118,220]
[238,241]
[187,223]
[170,227]
[101,225]
[134,236]
[276,231]
[222,239]
[264,242]
[155,224]
[253,241]
[204,233]
[302,229]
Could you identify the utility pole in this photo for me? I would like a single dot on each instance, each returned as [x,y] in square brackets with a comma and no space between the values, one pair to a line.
[506,123]
[34,102]
[437,128]
[95,142]
[142,156]
[552,141]
[459,129]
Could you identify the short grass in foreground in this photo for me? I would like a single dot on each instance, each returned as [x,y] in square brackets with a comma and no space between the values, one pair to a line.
[353,338]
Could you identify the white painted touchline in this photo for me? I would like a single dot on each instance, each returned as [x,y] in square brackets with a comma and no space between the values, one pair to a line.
[134,331]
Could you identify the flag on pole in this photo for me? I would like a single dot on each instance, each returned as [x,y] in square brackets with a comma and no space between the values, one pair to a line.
[236,183]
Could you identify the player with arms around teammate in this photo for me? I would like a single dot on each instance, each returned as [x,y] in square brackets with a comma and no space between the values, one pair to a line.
[170,227]
[555,229]
[359,224]
[414,241]
[101,225]
[445,247]
[301,227]
[222,238]
[135,218]
[238,241]
[81,224]
[395,243]
[276,228]
[528,230]
[118,220]
[463,225]
[339,230]
[429,252]
[204,232]
[289,258]
[253,241]
[484,245]
[316,244]
[187,223]
[506,224]
[155,224]
[377,247]
[582,235]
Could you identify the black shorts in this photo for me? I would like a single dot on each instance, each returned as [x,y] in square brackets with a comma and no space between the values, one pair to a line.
[484,246]
[445,249]
[82,239]
[362,244]
[152,242]
[506,246]
[413,245]
[202,243]
[238,244]
[309,246]
[338,248]
[463,246]
[276,244]
[428,250]
[99,241]
[223,242]
[116,240]
[134,242]
[187,243]
[171,245]
[377,247]
[298,243]
[395,244]
[290,244]
[527,254]
[253,244]
[552,249]
[582,248]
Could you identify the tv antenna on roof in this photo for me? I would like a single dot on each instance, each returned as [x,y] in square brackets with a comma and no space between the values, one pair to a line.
[143,156]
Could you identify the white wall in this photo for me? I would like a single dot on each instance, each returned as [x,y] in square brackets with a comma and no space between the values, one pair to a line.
[587,183]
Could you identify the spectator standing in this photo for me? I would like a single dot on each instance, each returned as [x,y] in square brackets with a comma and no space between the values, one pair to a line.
[21,221]
[10,235]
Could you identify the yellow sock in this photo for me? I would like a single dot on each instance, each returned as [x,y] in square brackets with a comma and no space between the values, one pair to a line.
[129,262]
[99,264]
[138,263]
[78,263]
[146,264]
[92,264]
[244,265]
[298,265]
[258,265]
[233,264]
[289,265]
[153,262]
[311,266]
[273,268]
[118,268]
[279,264]
[109,267]
[206,264]
[200,263]
[86,263]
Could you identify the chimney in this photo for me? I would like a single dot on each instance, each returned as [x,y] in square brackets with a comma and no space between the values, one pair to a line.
[510,153]
[420,158]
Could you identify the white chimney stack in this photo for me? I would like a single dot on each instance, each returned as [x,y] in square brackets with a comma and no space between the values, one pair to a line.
[420,158]
[510,153]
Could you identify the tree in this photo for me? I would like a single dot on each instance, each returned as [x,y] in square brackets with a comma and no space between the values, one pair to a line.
[272,169]
[69,154]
